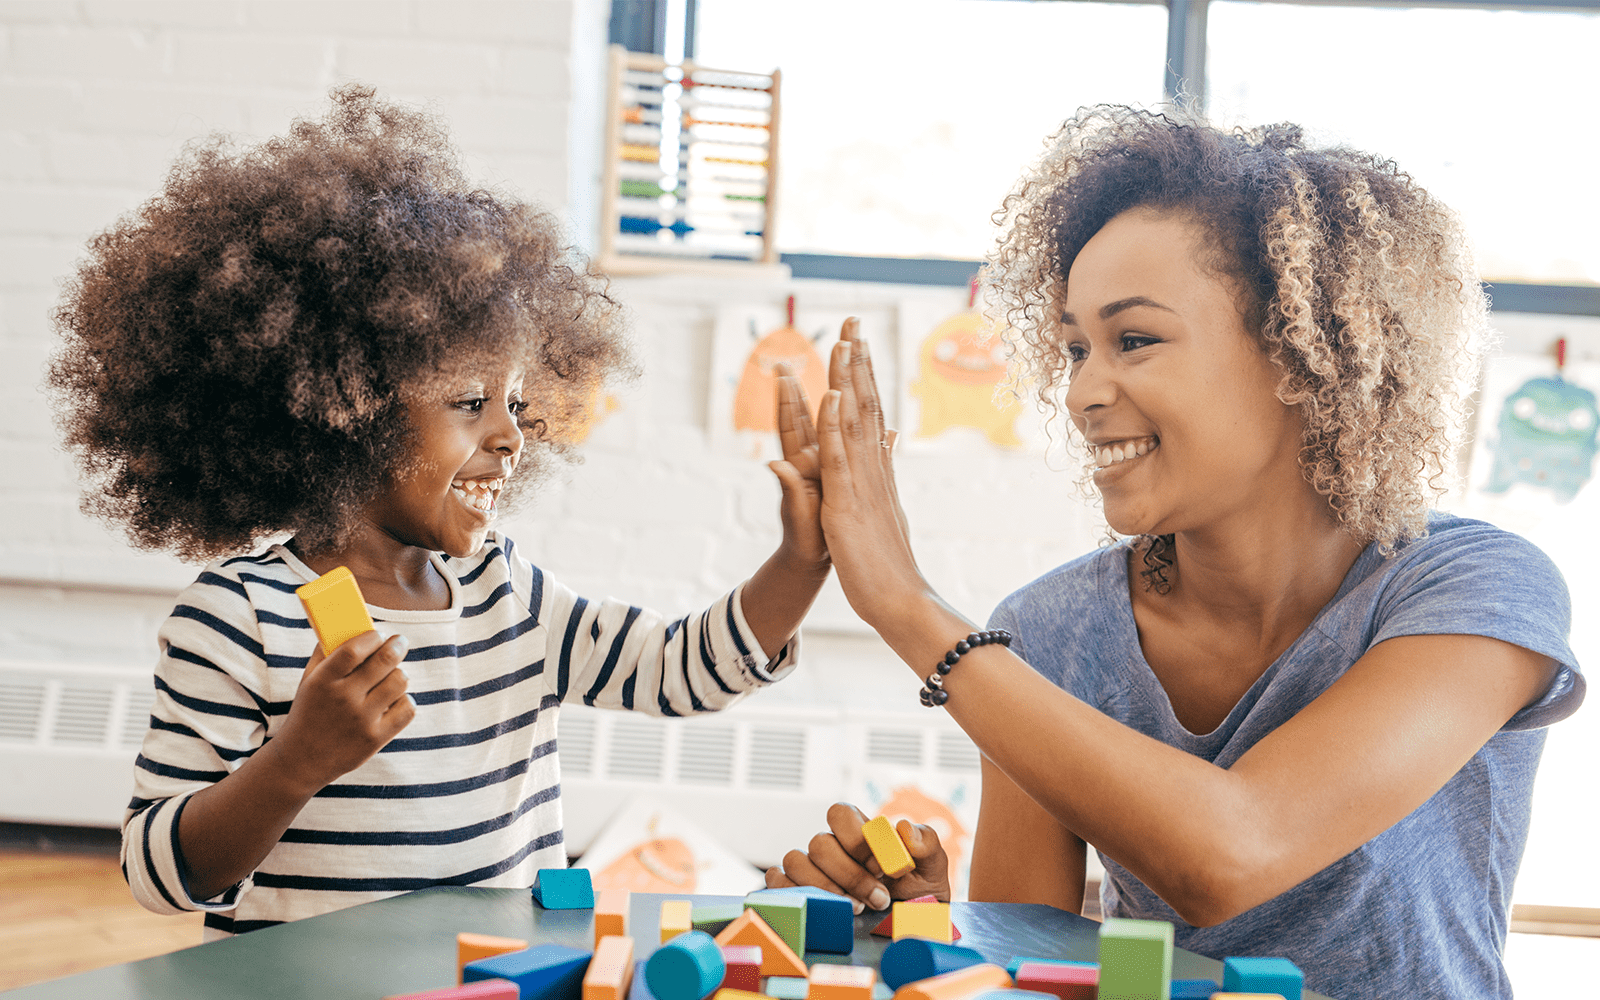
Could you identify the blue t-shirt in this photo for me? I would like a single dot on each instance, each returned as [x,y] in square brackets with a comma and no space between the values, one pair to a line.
[1420,910]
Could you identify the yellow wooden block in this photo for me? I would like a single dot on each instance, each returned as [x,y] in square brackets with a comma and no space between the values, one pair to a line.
[333,603]
[922,920]
[471,947]
[676,918]
[887,847]
[839,982]
[610,972]
[610,914]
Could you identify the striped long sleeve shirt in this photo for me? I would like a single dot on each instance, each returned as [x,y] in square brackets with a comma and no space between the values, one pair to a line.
[469,793]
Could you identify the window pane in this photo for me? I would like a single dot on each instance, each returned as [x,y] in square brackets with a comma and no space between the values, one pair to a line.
[1489,110]
[904,122]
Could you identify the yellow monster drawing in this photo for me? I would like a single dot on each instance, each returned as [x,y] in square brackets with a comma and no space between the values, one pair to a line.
[961,363]
[755,402]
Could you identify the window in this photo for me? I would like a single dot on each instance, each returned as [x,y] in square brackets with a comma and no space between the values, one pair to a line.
[906,121]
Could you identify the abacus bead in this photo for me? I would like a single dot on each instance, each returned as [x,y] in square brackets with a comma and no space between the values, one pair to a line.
[939,697]
[951,657]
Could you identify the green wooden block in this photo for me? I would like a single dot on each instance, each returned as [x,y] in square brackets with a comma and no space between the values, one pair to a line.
[1135,959]
[787,987]
[713,917]
[784,912]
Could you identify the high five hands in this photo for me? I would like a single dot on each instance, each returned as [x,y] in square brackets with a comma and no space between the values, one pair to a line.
[864,529]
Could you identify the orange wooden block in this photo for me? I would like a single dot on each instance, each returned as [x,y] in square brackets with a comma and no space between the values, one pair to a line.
[956,985]
[887,847]
[610,914]
[729,993]
[610,972]
[922,920]
[471,947]
[676,918]
[839,982]
[777,958]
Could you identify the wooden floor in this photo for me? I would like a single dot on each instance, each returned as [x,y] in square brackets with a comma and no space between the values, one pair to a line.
[66,913]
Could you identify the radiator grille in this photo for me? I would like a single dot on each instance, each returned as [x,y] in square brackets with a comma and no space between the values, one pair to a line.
[21,706]
[637,748]
[82,716]
[895,746]
[777,757]
[705,755]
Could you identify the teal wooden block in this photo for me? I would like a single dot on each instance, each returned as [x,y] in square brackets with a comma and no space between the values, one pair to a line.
[1135,959]
[543,972]
[1194,989]
[787,987]
[563,889]
[784,912]
[689,967]
[1262,975]
[830,920]
[911,959]
[713,917]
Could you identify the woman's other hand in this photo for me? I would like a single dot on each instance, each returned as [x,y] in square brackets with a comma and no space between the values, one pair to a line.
[840,861]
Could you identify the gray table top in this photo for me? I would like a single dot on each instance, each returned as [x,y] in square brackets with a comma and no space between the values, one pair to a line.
[407,944]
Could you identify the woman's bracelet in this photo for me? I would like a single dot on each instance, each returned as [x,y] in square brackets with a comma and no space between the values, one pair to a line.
[933,692]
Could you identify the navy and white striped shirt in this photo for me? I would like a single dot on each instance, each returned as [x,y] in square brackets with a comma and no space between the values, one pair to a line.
[469,793]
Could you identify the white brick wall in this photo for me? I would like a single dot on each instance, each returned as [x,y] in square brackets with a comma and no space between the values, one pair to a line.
[97,98]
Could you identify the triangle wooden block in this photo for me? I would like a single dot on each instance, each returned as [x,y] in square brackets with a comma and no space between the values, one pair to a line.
[886,928]
[777,958]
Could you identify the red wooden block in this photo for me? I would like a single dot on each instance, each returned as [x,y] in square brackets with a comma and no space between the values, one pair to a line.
[886,928]
[744,967]
[1069,982]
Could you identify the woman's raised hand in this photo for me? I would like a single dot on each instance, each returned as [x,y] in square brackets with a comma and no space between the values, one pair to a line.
[861,514]
[840,861]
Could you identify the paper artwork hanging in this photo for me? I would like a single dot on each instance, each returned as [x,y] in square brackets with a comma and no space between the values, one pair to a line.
[649,847]
[955,360]
[1546,436]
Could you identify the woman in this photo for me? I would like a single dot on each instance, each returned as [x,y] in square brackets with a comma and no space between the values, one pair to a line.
[1297,712]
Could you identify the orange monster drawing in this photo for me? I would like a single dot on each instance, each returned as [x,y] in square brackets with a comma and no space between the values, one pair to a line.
[601,407]
[961,363]
[665,864]
[755,402]
[912,803]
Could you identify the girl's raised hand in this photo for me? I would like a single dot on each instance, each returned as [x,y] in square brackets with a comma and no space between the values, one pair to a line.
[798,472]
[349,705]
[861,514]
[841,862]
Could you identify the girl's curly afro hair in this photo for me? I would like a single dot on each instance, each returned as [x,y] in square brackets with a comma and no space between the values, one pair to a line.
[238,352]
[1359,285]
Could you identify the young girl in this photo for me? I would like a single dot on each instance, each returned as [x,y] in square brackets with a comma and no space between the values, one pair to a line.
[1297,713]
[333,337]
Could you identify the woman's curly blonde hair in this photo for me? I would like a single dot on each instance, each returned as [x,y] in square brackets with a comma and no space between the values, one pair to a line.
[1359,283]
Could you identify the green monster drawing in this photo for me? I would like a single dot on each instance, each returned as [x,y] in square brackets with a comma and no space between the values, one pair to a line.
[1547,438]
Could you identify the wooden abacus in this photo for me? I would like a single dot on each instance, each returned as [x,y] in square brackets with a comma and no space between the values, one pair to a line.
[691,167]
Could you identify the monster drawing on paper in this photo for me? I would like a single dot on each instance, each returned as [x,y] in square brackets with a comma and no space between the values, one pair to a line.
[959,366]
[1546,438]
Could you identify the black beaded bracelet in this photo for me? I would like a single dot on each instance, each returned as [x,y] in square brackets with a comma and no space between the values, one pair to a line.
[933,692]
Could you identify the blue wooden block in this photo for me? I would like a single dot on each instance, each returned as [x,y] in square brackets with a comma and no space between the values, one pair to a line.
[563,889]
[1194,989]
[830,920]
[543,972]
[911,959]
[1262,975]
[640,990]
[689,967]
